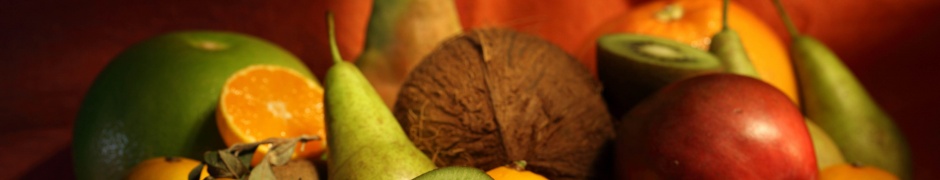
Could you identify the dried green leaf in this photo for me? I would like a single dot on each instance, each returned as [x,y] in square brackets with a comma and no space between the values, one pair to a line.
[245,157]
[245,151]
[212,158]
[216,167]
[194,174]
[282,151]
[233,164]
[235,161]
[305,138]
[245,147]
[262,171]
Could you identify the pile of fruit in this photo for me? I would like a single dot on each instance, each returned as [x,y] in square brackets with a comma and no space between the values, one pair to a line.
[674,97]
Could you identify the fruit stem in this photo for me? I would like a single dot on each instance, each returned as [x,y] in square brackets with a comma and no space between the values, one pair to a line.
[171,159]
[519,165]
[671,12]
[334,49]
[786,18]
[724,15]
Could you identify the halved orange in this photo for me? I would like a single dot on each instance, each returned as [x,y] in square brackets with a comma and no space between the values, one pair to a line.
[264,101]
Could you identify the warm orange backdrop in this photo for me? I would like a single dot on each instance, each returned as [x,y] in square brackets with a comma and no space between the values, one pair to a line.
[50,52]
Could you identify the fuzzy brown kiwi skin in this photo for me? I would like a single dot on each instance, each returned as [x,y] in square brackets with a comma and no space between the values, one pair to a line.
[494,96]
[628,81]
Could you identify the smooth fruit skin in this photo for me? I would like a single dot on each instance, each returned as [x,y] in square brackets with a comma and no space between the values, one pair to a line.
[165,168]
[158,98]
[726,45]
[717,126]
[838,103]
[827,152]
[455,173]
[366,141]
[399,35]
[846,171]
[509,173]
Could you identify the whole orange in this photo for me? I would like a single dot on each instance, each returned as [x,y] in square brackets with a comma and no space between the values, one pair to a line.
[514,172]
[167,168]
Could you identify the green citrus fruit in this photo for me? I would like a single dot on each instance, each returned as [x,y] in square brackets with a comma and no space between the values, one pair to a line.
[158,98]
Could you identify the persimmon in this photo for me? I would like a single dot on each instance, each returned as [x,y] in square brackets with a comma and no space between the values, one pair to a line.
[694,22]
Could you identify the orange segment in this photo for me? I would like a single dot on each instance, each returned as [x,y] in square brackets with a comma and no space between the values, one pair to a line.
[265,101]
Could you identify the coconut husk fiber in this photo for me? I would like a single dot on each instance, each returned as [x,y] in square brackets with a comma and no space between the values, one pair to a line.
[490,97]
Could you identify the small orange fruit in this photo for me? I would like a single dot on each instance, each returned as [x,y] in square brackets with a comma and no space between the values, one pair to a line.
[855,172]
[514,172]
[265,101]
[167,168]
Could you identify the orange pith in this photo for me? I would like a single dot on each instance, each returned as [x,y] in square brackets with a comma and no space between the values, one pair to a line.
[265,101]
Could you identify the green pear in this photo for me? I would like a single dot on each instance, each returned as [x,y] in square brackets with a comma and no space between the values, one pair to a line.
[365,140]
[727,46]
[837,102]
[399,34]
[827,152]
[455,173]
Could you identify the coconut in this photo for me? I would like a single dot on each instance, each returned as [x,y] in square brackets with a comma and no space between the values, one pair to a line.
[490,97]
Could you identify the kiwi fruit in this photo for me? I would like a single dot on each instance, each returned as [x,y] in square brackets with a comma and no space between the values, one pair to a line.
[632,67]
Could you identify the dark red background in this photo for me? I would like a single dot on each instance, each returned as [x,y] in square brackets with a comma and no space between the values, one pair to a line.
[50,52]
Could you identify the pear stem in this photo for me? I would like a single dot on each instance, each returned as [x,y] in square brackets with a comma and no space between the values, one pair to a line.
[786,18]
[724,15]
[334,49]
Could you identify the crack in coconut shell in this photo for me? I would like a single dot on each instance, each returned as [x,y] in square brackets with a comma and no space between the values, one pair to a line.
[493,96]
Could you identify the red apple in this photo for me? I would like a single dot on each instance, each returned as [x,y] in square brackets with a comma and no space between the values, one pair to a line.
[717,126]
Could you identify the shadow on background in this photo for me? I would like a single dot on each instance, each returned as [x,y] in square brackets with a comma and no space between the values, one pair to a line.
[58,166]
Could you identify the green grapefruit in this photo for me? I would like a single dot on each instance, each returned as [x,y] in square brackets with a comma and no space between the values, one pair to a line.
[158,98]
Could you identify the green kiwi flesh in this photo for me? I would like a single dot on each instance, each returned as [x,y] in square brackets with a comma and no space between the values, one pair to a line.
[632,67]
